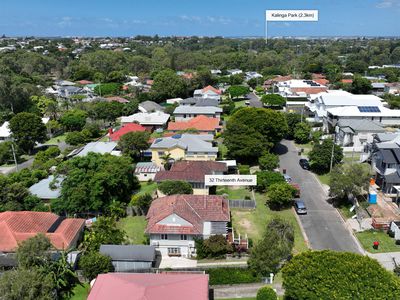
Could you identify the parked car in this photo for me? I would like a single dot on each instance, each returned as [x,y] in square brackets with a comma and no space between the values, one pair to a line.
[304,164]
[300,207]
[288,179]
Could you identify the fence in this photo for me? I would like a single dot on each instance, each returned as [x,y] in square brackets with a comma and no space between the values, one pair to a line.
[243,203]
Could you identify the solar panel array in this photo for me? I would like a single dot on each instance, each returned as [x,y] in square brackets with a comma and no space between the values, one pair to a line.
[369,109]
[311,82]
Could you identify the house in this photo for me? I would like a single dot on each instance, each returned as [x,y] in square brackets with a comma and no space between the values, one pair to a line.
[392,88]
[117,99]
[174,222]
[182,113]
[201,123]
[356,133]
[18,226]
[378,88]
[234,72]
[146,171]
[252,75]
[96,147]
[150,121]
[193,172]
[130,258]
[140,286]
[183,146]
[48,188]
[200,102]
[208,92]
[84,82]
[216,72]
[150,106]
[395,228]
[299,90]
[174,100]
[130,127]
[5,132]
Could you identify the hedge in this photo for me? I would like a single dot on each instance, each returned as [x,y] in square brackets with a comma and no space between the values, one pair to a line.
[219,276]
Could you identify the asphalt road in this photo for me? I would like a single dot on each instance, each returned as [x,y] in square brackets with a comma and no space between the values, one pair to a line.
[323,225]
[254,100]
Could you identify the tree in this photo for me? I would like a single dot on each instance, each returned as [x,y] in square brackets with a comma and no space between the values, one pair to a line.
[321,155]
[349,179]
[167,84]
[133,143]
[94,263]
[280,195]
[252,131]
[392,100]
[361,85]
[173,187]
[266,178]
[131,107]
[273,100]
[276,245]
[106,89]
[6,154]
[27,129]
[213,247]
[92,182]
[47,106]
[266,293]
[75,138]
[27,284]
[292,120]
[268,161]
[142,202]
[302,133]
[236,91]
[108,111]
[46,159]
[103,232]
[116,76]
[34,252]
[74,120]
[337,275]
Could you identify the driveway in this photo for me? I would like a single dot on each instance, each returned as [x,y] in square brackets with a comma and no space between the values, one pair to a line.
[254,100]
[323,225]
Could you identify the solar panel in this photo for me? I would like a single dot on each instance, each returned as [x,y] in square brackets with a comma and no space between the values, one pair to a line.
[369,109]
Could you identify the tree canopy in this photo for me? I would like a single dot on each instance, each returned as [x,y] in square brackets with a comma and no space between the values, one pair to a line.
[273,100]
[236,91]
[167,84]
[174,187]
[133,143]
[321,154]
[337,275]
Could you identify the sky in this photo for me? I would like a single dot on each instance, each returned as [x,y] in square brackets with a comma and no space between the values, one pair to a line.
[230,18]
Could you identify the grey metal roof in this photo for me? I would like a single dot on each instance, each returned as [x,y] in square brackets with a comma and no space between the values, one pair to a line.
[361,125]
[146,167]
[386,136]
[42,188]
[96,147]
[187,109]
[189,142]
[392,178]
[150,106]
[388,156]
[141,253]
[200,101]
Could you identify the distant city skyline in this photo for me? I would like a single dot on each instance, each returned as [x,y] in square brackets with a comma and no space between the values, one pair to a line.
[234,18]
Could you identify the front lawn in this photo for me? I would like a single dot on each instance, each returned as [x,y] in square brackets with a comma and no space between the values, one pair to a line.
[134,228]
[324,178]
[386,243]
[233,193]
[307,147]
[253,222]
[81,292]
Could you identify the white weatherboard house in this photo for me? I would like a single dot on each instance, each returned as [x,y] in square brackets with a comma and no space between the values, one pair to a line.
[175,221]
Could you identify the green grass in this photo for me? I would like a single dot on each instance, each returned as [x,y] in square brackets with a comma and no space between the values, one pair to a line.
[223,150]
[386,243]
[350,159]
[253,222]
[57,139]
[81,292]
[134,228]
[241,103]
[237,298]
[234,194]
[147,187]
[344,209]
[307,147]
[324,178]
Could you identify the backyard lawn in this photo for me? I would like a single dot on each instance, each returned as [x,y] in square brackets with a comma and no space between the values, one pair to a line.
[253,222]
[234,193]
[57,139]
[81,292]
[134,228]
[147,187]
[386,243]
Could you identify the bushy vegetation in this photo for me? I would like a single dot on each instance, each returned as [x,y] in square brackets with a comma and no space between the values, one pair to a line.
[231,276]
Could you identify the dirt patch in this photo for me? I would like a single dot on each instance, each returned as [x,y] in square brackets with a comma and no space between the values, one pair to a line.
[243,222]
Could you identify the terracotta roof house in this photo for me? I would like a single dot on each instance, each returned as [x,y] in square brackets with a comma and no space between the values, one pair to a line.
[208,92]
[84,82]
[18,226]
[117,99]
[193,172]
[130,127]
[140,286]
[200,123]
[350,81]
[173,222]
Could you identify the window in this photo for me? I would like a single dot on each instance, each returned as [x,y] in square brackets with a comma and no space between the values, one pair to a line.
[183,237]
[164,236]
[160,153]
[174,251]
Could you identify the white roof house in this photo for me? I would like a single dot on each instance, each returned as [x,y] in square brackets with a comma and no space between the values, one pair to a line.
[96,147]
[157,118]
[5,131]
[188,112]
[189,142]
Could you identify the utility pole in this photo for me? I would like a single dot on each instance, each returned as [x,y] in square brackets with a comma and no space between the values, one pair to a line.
[15,157]
[333,148]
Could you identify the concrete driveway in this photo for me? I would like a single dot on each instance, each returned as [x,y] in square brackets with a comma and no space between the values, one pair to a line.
[323,225]
[177,262]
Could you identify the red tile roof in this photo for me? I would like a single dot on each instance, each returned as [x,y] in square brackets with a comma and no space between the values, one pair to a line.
[211,88]
[17,226]
[84,82]
[309,90]
[191,171]
[347,80]
[129,127]
[201,123]
[147,286]
[318,76]
[117,99]
[282,78]
[322,81]
[195,209]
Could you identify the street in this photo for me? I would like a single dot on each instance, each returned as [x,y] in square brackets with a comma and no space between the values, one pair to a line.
[323,224]
[254,101]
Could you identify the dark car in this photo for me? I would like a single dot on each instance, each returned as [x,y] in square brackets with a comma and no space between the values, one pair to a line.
[304,164]
[300,207]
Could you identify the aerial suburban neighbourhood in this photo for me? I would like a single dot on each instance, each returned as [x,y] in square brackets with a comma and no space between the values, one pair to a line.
[172,151]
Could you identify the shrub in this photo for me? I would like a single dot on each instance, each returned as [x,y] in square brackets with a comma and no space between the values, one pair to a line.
[231,276]
[266,293]
[244,169]
[213,247]
[95,263]
[397,242]
[75,138]
[173,187]
[268,161]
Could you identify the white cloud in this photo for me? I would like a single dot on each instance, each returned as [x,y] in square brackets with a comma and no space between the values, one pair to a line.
[388,3]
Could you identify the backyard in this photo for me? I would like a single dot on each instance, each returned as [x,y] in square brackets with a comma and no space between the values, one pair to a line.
[134,228]
[253,222]
[81,292]
[147,188]
[386,243]
[234,193]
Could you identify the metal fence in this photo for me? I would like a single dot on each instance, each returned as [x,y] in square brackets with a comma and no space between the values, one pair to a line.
[243,203]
